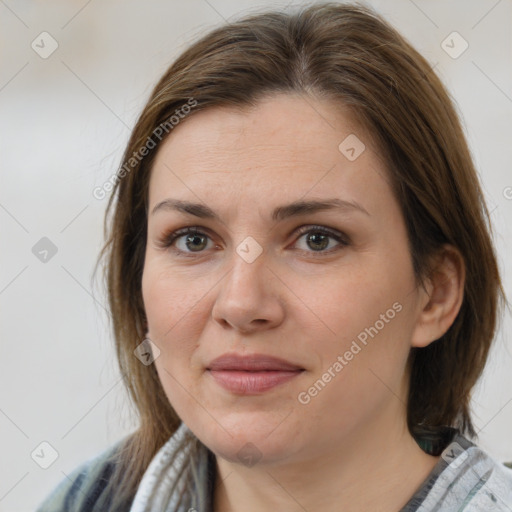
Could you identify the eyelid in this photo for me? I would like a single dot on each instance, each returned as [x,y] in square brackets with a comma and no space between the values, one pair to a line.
[169,237]
[334,233]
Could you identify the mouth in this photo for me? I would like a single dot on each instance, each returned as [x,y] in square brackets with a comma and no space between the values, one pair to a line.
[252,363]
[251,374]
[252,382]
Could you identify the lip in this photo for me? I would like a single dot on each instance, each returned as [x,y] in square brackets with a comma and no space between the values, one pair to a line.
[251,374]
[242,382]
[251,363]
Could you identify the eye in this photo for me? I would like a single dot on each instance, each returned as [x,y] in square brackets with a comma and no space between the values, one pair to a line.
[318,239]
[192,240]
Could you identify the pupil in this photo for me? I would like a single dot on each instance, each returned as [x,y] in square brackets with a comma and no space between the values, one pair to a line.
[319,241]
[190,239]
[324,242]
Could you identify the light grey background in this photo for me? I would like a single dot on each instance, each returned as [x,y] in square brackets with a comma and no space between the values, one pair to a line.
[64,123]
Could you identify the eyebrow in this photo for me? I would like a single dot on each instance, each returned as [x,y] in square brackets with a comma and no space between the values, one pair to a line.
[281,212]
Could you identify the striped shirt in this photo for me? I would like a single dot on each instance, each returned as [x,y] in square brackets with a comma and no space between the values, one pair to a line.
[466,479]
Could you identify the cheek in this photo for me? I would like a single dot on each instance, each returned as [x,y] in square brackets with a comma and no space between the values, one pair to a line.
[349,300]
[169,299]
[369,319]
[170,310]
[363,369]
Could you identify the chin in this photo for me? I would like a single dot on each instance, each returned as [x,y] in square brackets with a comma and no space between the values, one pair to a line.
[247,453]
[247,445]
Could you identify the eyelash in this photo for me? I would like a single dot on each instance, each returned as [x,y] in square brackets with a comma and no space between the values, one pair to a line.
[166,241]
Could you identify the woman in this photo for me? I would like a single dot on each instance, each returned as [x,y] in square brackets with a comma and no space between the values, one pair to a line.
[302,281]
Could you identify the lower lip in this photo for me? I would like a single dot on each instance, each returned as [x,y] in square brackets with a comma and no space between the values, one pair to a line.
[251,383]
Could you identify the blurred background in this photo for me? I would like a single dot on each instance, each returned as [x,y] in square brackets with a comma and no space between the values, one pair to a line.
[74,76]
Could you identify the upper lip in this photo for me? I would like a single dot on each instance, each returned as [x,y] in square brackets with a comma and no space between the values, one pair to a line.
[253,362]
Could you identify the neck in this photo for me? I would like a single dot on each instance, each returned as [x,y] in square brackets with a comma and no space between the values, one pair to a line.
[377,467]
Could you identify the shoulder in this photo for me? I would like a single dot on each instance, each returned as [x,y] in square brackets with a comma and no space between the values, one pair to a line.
[80,490]
[499,486]
[492,479]
[470,477]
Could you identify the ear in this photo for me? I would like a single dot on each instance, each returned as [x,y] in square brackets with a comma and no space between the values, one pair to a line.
[440,303]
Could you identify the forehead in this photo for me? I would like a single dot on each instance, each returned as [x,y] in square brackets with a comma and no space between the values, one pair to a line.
[285,145]
[301,125]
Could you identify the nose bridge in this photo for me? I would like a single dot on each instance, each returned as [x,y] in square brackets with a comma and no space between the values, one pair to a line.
[249,258]
[248,298]
[248,272]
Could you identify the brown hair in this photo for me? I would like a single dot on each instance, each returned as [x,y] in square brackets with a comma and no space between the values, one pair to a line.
[350,55]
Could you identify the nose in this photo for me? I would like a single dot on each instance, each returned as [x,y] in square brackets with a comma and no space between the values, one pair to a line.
[250,298]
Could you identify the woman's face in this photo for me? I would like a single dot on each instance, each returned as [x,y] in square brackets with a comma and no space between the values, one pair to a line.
[337,299]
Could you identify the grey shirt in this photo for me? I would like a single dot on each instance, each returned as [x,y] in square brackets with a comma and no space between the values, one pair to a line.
[466,479]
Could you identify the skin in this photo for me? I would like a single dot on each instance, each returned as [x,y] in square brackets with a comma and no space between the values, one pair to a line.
[348,448]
